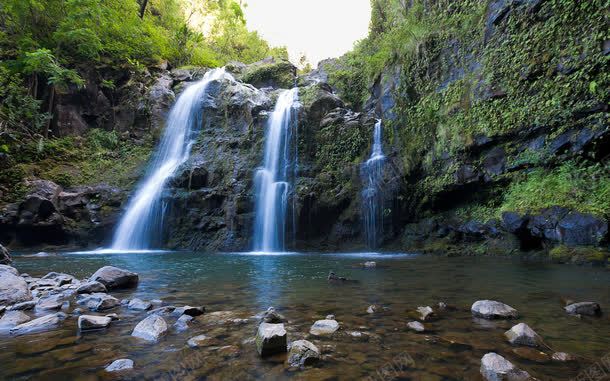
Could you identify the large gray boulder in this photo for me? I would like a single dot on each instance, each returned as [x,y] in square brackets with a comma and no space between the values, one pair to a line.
[115,278]
[324,327]
[584,308]
[302,353]
[271,339]
[44,323]
[91,287]
[8,269]
[150,329]
[90,322]
[5,257]
[496,368]
[11,319]
[13,289]
[491,309]
[522,334]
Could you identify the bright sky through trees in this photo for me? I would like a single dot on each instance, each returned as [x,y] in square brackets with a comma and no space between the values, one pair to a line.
[318,28]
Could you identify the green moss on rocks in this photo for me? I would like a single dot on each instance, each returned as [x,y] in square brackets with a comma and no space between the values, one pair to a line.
[579,255]
[281,74]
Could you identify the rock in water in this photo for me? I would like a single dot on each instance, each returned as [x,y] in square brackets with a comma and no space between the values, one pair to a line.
[562,357]
[272,316]
[426,313]
[496,368]
[324,327]
[44,323]
[139,305]
[12,319]
[190,311]
[91,287]
[522,334]
[13,288]
[302,353]
[5,257]
[532,354]
[151,329]
[198,341]
[119,365]
[9,269]
[584,308]
[98,301]
[271,339]
[416,326]
[491,309]
[89,322]
[114,277]
[182,324]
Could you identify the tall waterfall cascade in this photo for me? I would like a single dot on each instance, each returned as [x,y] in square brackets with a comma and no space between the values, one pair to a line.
[141,227]
[372,194]
[274,180]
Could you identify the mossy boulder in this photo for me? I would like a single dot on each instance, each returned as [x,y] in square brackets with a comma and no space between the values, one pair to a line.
[269,73]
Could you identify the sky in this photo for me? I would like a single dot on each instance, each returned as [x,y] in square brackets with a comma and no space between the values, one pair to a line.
[319,28]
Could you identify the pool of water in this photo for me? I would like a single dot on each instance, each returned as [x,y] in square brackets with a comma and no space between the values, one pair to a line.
[244,285]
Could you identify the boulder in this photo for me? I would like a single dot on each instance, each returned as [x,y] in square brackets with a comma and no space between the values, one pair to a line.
[8,269]
[496,368]
[491,309]
[272,316]
[120,365]
[90,322]
[12,319]
[324,327]
[98,301]
[13,288]
[91,287]
[270,73]
[60,278]
[182,324]
[189,310]
[5,257]
[44,323]
[53,302]
[150,329]
[416,326]
[303,353]
[522,334]
[198,341]
[584,308]
[271,339]
[115,278]
[139,305]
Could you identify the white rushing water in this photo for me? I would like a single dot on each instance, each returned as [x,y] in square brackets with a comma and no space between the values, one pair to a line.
[372,197]
[142,224]
[273,179]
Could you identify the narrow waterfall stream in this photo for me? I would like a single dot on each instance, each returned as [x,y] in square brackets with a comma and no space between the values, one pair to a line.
[141,227]
[273,179]
[372,200]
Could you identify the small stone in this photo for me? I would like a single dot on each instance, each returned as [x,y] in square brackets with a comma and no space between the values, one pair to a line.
[113,316]
[91,287]
[330,317]
[115,278]
[272,316]
[190,311]
[12,319]
[416,326]
[425,313]
[372,309]
[562,357]
[139,305]
[584,308]
[120,365]
[491,309]
[90,322]
[182,324]
[98,301]
[151,329]
[522,334]
[198,341]
[324,327]
[271,339]
[303,353]
[44,323]
[496,368]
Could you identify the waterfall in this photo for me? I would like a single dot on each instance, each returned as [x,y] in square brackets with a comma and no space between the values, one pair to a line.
[273,180]
[372,196]
[142,224]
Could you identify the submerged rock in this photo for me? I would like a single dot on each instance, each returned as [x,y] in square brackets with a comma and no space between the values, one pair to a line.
[522,334]
[139,305]
[416,326]
[584,308]
[115,278]
[182,324]
[532,354]
[91,287]
[271,339]
[491,309]
[324,327]
[12,319]
[13,288]
[90,322]
[303,353]
[151,329]
[496,368]
[119,365]
[198,341]
[44,323]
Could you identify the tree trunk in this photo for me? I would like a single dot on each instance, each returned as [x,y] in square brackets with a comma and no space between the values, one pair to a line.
[143,7]
[45,133]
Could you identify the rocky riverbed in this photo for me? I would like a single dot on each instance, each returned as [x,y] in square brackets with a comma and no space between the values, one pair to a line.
[234,316]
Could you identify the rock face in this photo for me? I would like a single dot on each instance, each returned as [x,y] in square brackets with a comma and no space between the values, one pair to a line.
[303,353]
[324,327]
[271,339]
[522,334]
[5,257]
[584,308]
[496,368]
[115,278]
[91,322]
[491,309]
[120,365]
[150,329]
[13,288]
[44,323]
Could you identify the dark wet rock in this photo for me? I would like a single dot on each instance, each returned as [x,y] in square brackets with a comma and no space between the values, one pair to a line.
[91,322]
[120,365]
[189,310]
[426,313]
[151,329]
[522,334]
[5,256]
[13,288]
[12,319]
[271,339]
[532,354]
[44,323]
[416,326]
[303,353]
[182,324]
[324,327]
[98,301]
[91,287]
[513,221]
[115,278]
[491,309]
[198,341]
[159,99]
[562,357]
[496,368]
[272,316]
[23,306]
[334,278]
[139,305]
[584,308]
